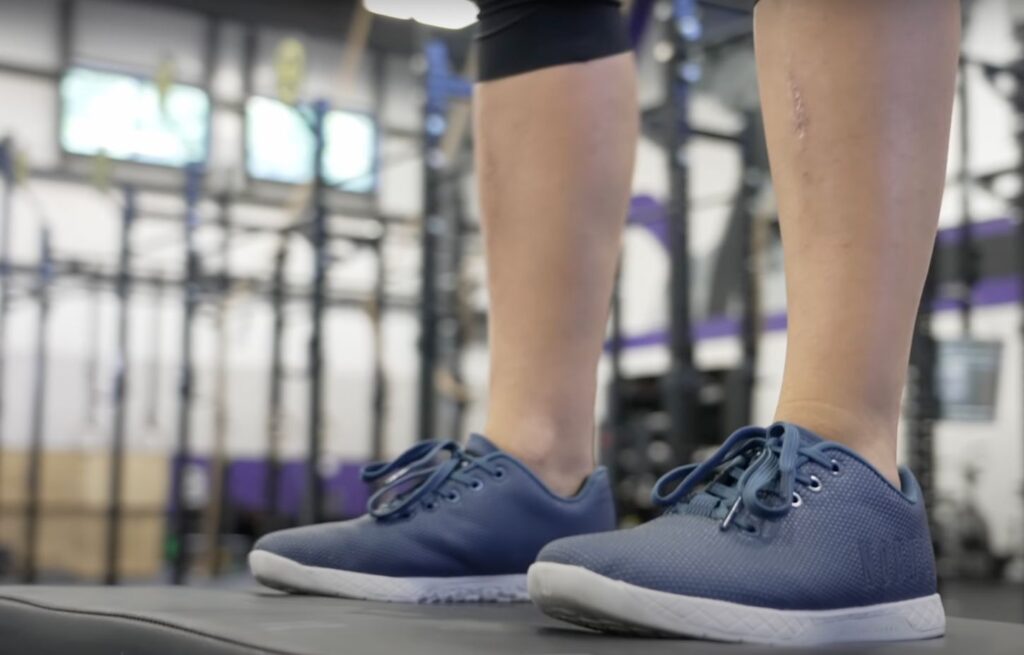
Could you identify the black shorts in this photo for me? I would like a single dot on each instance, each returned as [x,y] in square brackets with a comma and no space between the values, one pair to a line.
[518,36]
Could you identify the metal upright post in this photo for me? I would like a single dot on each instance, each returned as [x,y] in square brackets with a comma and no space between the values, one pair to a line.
[183,453]
[922,396]
[92,364]
[749,279]
[274,409]
[379,402]
[442,85]
[156,333]
[121,372]
[683,382]
[6,201]
[1018,107]
[615,411]
[967,251]
[379,406]
[434,124]
[639,20]
[38,426]
[219,470]
[923,400]
[314,500]
[452,319]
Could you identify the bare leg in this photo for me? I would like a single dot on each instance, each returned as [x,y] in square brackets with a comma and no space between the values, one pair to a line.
[857,98]
[555,152]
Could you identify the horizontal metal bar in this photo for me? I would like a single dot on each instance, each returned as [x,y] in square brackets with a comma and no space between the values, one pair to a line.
[339,202]
[208,284]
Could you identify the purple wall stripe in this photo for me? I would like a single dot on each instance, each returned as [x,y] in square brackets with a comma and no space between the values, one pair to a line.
[986,293]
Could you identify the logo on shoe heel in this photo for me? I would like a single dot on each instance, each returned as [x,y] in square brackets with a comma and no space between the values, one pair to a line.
[895,563]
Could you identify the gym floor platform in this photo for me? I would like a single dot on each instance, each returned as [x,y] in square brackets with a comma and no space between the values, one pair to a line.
[177,620]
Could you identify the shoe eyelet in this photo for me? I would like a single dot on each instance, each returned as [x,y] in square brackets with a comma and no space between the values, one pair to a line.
[835,467]
[499,473]
[430,506]
[815,484]
[453,497]
[750,529]
[476,485]
[797,500]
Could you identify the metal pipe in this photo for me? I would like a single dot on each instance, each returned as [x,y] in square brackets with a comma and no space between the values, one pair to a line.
[615,386]
[682,383]
[923,400]
[219,472]
[455,315]
[967,251]
[35,457]
[6,216]
[434,124]
[1017,102]
[121,373]
[750,184]
[313,507]
[92,364]
[379,402]
[255,285]
[274,407]
[156,335]
[183,448]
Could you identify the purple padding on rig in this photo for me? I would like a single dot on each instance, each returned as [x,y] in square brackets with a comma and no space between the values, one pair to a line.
[345,492]
[987,292]
[639,20]
[980,230]
[647,212]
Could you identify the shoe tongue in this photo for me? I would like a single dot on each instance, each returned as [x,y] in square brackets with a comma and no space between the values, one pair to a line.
[706,503]
[480,445]
[807,438]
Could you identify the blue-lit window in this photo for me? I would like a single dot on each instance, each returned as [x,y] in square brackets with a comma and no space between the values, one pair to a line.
[279,146]
[123,116]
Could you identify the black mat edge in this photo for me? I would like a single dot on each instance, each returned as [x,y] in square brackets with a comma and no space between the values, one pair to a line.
[32,626]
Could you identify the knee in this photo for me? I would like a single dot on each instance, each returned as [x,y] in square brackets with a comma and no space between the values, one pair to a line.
[517,36]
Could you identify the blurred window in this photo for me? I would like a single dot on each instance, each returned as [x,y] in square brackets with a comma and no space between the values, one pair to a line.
[125,117]
[448,14]
[279,146]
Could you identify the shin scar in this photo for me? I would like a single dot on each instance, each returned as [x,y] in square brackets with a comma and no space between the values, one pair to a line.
[801,121]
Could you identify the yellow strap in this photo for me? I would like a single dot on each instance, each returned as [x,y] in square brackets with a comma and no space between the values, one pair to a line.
[290,69]
[102,171]
[20,166]
[164,80]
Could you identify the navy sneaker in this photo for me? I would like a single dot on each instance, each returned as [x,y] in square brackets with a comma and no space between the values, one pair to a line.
[791,540]
[449,525]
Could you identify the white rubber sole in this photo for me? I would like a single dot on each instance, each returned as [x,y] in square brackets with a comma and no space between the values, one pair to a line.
[580,596]
[287,575]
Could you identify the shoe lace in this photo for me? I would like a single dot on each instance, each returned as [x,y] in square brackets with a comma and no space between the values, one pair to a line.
[756,469]
[421,474]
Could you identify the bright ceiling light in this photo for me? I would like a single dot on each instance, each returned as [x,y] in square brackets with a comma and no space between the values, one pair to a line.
[447,14]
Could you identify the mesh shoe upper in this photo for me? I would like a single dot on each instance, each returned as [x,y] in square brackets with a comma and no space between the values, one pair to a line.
[847,538]
[487,515]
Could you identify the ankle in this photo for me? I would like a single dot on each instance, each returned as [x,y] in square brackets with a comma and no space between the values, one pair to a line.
[562,461]
[872,437]
[562,477]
